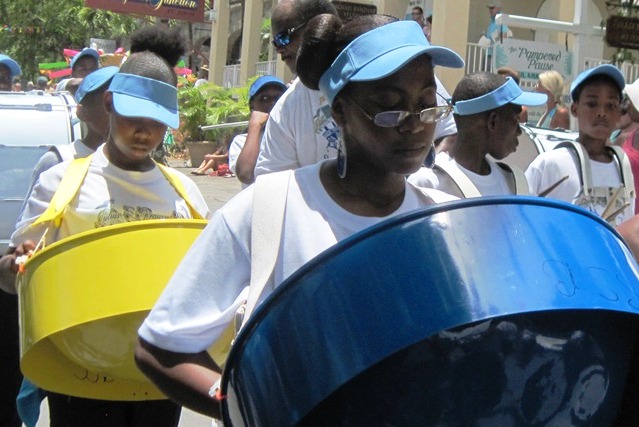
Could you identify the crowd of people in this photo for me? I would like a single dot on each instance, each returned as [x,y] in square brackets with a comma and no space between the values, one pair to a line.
[364,133]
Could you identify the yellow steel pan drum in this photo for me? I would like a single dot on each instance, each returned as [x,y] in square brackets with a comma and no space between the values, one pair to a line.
[83,298]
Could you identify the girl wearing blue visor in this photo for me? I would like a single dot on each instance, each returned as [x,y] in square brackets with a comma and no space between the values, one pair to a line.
[377,74]
[119,183]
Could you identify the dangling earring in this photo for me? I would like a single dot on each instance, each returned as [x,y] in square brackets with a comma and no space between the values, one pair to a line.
[341,158]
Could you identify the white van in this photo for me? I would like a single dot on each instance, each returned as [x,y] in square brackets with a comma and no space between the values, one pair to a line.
[30,123]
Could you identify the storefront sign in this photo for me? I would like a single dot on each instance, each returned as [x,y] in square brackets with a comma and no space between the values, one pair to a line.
[349,11]
[533,58]
[622,32]
[187,10]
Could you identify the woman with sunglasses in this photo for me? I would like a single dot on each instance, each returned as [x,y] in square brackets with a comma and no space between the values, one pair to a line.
[377,74]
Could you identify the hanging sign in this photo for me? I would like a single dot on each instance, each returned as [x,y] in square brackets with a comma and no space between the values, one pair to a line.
[623,32]
[187,10]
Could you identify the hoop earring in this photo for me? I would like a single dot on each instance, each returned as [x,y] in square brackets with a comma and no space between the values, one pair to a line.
[341,158]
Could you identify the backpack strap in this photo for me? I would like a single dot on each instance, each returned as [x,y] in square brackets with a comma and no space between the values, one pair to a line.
[68,188]
[174,180]
[519,178]
[461,180]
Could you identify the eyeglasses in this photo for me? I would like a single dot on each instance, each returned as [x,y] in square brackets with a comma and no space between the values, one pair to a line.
[391,119]
[283,38]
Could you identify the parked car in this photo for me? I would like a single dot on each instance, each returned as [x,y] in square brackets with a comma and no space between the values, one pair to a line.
[31,123]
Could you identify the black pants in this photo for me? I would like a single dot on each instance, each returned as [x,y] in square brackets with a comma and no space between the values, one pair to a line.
[67,411]
[10,376]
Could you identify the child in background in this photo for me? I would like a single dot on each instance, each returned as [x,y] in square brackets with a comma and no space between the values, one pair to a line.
[122,184]
[631,141]
[596,103]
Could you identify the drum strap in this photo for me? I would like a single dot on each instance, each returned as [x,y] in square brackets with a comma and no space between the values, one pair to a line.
[267,221]
[72,181]
[585,177]
[466,186]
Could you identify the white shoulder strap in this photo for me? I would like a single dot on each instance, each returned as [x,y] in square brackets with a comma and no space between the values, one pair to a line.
[586,174]
[521,183]
[465,185]
[627,178]
[269,204]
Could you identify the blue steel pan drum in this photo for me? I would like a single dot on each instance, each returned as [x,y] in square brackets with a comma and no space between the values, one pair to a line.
[496,311]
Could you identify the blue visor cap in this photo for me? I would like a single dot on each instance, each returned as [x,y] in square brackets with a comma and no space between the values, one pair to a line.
[604,69]
[508,93]
[94,81]
[84,52]
[381,52]
[137,96]
[14,68]
[263,81]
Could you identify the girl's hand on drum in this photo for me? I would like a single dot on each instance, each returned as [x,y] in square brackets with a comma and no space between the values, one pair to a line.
[9,266]
[21,254]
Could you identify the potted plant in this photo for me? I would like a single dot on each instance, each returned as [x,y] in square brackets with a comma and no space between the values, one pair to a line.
[209,104]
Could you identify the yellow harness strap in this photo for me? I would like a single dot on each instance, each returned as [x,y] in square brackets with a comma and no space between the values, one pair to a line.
[69,186]
[73,178]
[174,180]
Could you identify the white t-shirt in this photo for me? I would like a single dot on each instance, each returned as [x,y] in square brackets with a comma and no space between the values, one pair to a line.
[108,195]
[550,166]
[496,183]
[212,281]
[300,130]
[235,149]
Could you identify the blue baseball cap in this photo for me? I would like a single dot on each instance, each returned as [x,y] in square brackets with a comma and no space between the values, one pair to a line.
[381,52]
[95,81]
[84,52]
[604,69]
[12,65]
[137,96]
[508,93]
[263,81]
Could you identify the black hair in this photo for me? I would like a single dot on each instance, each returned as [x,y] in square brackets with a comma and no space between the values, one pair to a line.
[509,72]
[325,37]
[429,19]
[418,8]
[596,79]
[477,84]
[301,11]
[148,64]
[165,42]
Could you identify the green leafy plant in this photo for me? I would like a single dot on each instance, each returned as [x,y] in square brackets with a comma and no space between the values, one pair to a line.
[209,104]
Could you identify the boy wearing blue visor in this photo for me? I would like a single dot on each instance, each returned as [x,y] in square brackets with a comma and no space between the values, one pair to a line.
[589,172]
[486,110]
[122,184]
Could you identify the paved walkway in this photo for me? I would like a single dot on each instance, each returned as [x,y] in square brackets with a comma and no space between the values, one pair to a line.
[217,191]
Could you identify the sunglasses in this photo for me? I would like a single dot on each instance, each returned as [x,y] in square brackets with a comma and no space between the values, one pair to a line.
[391,119]
[283,38]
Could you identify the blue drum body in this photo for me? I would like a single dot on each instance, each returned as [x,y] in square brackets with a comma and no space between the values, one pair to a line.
[497,311]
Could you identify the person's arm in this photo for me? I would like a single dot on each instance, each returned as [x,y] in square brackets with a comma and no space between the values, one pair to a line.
[245,165]
[278,150]
[185,378]
[561,119]
[9,268]
[629,230]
